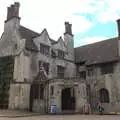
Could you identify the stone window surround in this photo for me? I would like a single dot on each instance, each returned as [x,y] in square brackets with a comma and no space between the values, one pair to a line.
[60,71]
[44,49]
[61,54]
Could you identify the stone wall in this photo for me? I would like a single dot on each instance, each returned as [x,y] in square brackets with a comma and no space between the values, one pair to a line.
[110,82]
[19,96]
[80,93]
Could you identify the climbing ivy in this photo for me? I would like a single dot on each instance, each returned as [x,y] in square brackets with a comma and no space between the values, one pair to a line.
[6,76]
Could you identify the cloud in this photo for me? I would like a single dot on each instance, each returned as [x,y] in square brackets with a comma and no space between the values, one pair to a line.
[51,14]
[89,40]
[103,10]
[111,11]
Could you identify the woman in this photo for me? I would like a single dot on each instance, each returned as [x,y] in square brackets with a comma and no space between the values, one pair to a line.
[100,108]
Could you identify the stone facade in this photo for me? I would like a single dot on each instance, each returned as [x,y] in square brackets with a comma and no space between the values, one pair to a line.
[73,89]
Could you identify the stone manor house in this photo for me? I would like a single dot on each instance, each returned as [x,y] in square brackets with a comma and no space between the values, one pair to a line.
[37,71]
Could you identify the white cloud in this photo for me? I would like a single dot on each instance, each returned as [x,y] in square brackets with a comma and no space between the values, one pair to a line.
[111,11]
[50,14]
[107,10]
[89,40]
[103,10]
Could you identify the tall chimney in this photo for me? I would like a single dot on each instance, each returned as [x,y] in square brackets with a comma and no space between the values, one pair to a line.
[13,11]
[68,28]
[118,26]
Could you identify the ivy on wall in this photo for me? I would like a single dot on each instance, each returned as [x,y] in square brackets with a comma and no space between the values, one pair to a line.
[6,76]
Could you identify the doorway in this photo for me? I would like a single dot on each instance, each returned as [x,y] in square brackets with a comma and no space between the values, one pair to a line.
[36,92]
[68,99]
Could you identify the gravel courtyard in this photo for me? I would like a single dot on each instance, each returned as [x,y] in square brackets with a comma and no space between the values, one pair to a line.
[18,115]
[65,117]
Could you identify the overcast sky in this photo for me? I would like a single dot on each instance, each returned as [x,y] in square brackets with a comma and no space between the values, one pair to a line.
[92,20]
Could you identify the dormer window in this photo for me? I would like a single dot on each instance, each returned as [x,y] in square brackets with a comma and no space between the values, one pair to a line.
[44,49]
[61,54]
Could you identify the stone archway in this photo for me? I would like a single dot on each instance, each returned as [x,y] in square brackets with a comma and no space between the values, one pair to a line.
[37,90]
[68,99]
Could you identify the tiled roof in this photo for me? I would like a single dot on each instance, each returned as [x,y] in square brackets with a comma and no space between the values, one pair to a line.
[28,35]
[98,52]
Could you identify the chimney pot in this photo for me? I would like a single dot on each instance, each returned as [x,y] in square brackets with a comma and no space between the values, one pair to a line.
[68,28]
[118,26]
[17,4]
[13,11]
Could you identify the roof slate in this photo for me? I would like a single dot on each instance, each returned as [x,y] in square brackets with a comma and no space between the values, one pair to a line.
[28,35]
[99,52]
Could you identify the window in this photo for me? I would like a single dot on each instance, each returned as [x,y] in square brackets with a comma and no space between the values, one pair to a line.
[90,72]
[44,49]
[45,65]
[60,54]
[60,71]
[52,90]
[107,68]
[104,95]
[88,90]
[15,46]
[53,53]
[83,75]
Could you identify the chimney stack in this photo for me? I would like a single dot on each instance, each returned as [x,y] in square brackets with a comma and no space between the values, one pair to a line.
[118,26]
[68,28]
[13,11]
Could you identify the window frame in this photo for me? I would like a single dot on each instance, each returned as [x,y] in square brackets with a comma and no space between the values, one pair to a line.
[59,73]
[51,90]
[107,68]
[44,49]
[82,75]
[104,95]
[61,54]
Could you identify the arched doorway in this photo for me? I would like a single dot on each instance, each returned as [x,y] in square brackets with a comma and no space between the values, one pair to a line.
[68,99]
[104,95]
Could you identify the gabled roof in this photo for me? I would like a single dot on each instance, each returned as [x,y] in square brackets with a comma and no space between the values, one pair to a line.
[53,41]
[99,52]
[28,35]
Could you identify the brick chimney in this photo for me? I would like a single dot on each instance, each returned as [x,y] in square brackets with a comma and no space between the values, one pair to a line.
[118,27]
[68,29]
[13,11]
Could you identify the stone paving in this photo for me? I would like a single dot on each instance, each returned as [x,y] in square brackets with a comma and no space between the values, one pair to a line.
[17,115]
[65,117]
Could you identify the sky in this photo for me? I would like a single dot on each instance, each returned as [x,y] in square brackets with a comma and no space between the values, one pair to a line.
[92,20]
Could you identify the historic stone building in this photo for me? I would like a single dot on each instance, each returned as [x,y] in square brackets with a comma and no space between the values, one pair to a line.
[37,71]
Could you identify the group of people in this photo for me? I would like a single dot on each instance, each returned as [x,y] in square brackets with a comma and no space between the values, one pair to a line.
[87,108]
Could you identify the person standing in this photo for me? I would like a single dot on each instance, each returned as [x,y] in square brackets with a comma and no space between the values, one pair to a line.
[100,108]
